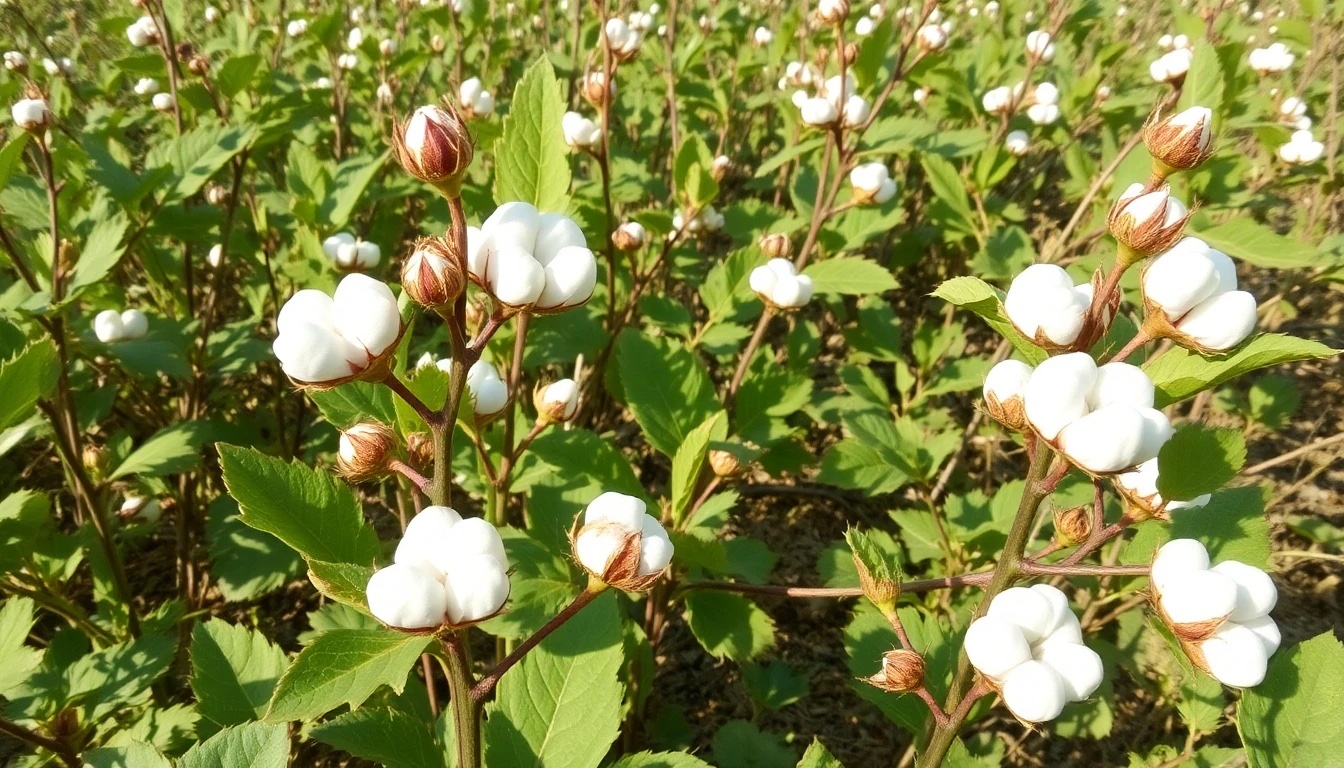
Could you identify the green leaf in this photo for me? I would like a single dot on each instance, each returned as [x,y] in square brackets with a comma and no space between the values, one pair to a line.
[1180,373]
[688,462]
[233,671]
[348,187]
[344,667]
[1291,720]
[244,562]
[255,745]
[196,155]
[1203,85]
[1232,526]
[354,402]
[170,451]
[531,158]
[1199,460]
[692,171]
[24,379]
[950,189]
[388,737]
[729,625]
[342,582]
[562,704]
[859,465]
[236,73]
[16,621]
[980,297]
[850,277]
[667,388]
[137,754]
[660,760]
[740,744]
[101,251]
[1257,244]
[306,508]
[817,756]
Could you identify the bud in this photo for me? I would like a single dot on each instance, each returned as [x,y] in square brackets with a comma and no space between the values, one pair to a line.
[1147,223]
[1179,142]
[878,576]
[725,464]
[902,671]
[558,401]
[365,450]
[720,167]
[775,246]
[216,194]
[630,236]
[1072,526]
[437,44]
[596,90]
[140,509]
[95,460]
[434,146]
[833,12]
[420,449]
[432,276]
[851,54]
[198,65]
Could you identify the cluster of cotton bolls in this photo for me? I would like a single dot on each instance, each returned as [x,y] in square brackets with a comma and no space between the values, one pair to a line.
[872,183]
[1302,149]
[833,100]
[1271,60]
[779,285]
[1029,646]
[111,326]
[798,74]
[642,21]
[708,219]
[526,259]
[31,114]
[581,132]
[620,544]
[348,252]
[446,571]
[474,99]
[325,340]
[1220,613]
[1190,294]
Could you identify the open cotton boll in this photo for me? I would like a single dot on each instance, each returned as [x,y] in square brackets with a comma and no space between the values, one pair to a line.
[779,285]
[1007,380]
[365,312]
[1221,321]
[1181,277]
[620,544]
[134,324]
[1256,594]
[1108,439]
[1056,394]
[107,326]
[995,645]
[1235,656]
[1043,301]
[407,597]
[488,390]
[1034,692]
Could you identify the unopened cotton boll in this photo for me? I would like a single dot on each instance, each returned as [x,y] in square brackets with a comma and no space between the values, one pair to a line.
[1018,143]
[872,183]
[1044,305]
[531,260]
[489,392]
[140,509]
[557,401]
[630,236]
[1040,46]
[580,132]
[328,339]
[620,544]
[407,597]
[146,86]
[832,11]
[1302,149]
[1182,141]
[779,285]
[1147,222]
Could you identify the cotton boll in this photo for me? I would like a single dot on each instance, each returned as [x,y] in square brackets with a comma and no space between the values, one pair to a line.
[473,536]
[1180,278]
[1061,616]
[515,278]
[1078,667]
[107,326]
[619,508]
[1033,692]
[476,587]
[313,353]
[570,279]
[655,550]
[1256,593]
[406,597]
[1235,656]
[365,312]
[1106,440]
[1221,322]
[995,646]
[1056,394]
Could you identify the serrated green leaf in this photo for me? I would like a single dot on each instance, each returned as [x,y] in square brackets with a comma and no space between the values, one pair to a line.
[1199,460]
[562,704]
[306,508]
[1180,373]
[667,388]
[660,760]
[690,460]
[729,626]
[342,582]
[233,671]
[255,745]
[344,667]
[137,754]
[1257,244]
[244,562]
[817,756]
[980,297]
[1291,720]
[16,621]
[100,252]
[196,155]
[172,450]
[531,158]
[24,379]
[850,277]
[388,737]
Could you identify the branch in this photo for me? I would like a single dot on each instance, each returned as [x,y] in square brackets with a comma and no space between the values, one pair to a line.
[487,684]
